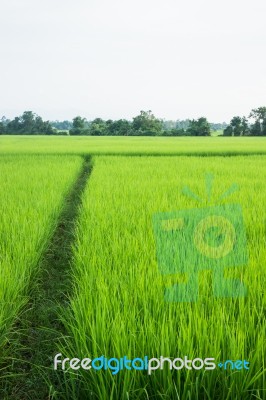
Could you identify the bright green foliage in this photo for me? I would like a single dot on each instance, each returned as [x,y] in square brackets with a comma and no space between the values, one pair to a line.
[31,197]
[117,305]
[118,308]
[133,145]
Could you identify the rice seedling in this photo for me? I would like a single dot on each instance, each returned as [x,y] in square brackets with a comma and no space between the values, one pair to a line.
[94,145]
[31,197]
[118,308]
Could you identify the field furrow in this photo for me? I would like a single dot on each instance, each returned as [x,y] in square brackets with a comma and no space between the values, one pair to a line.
[31,198]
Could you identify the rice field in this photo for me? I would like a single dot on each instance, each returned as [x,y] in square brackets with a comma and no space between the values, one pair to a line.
[31,197]
[101,145]
[118,306]
[116,301]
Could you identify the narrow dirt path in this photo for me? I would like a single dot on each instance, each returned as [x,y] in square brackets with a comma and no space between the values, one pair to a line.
[30,373]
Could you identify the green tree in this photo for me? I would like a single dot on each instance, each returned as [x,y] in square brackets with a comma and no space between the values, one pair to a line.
[259,127]
[245,127]
[2,128]
[27,122]
[228,131]
[255,129]
[263,127]
[47,129]
[122,127]
[78,126]
[78,123]
[98,127]
[238,127]
[236,124]
[258,113]
[199,127]
[14,127]
[146,124]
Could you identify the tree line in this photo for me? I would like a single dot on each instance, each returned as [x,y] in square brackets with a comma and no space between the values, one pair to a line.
[27,124]
[144,124]
[241,126]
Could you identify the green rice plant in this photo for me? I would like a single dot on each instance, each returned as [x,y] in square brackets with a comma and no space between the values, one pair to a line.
[118,308]
[32,190]
[132,145]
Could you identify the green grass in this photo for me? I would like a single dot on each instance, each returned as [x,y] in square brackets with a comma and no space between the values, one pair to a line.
[117,306]
[31,197]
[132,145]
[116,290]
[39,329]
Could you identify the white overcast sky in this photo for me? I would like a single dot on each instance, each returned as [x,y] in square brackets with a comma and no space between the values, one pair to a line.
[113,58]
